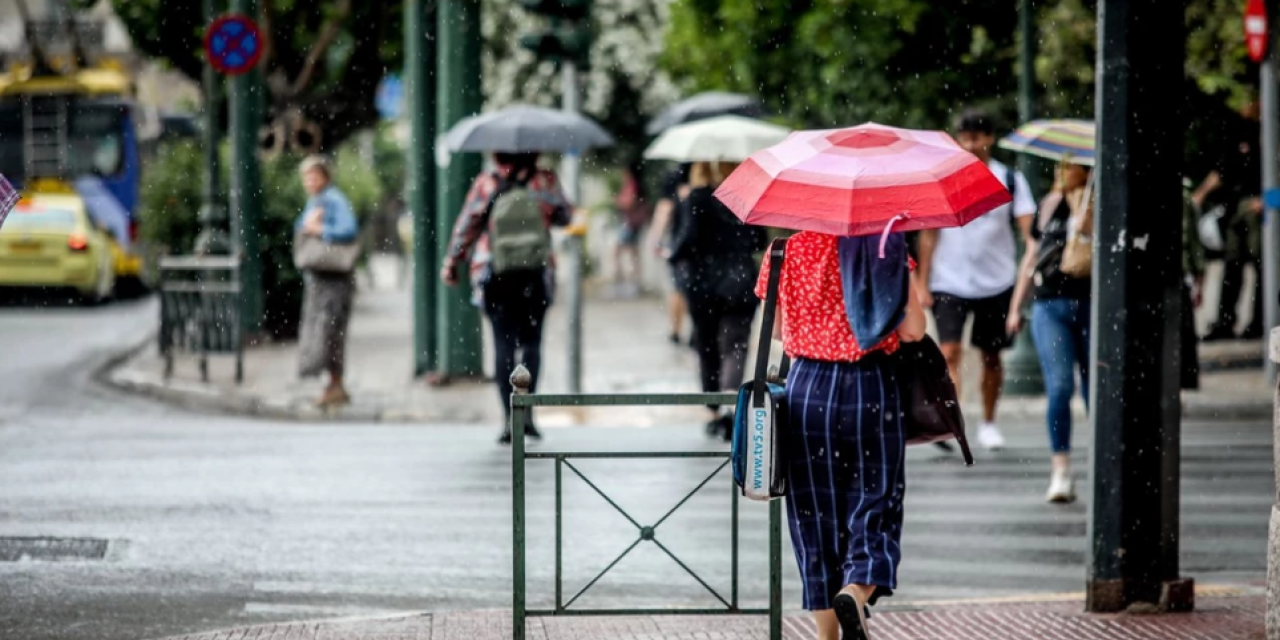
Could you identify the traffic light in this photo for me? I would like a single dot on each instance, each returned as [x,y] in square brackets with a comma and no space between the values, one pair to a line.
[569,37]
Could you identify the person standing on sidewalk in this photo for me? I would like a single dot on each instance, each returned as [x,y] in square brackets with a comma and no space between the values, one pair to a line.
[846,443]
[970,271]
[1059,318]
[504,229]
[1236,186]
[326,296]
[719,253]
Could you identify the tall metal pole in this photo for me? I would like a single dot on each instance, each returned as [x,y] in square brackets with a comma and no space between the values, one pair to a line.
[569,167]
[457,96]
[1022,368]
[420,174]
[1270,290]
[1136,279]
[246,181]
[214,235]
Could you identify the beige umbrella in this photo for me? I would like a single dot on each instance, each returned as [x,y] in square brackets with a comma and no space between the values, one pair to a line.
[723,138]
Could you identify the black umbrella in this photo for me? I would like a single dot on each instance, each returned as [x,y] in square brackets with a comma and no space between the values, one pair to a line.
[705,105]
[523,128]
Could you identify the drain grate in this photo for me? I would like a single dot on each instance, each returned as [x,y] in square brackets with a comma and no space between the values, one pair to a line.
[51,549]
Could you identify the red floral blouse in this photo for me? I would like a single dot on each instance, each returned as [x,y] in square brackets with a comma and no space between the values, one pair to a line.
[811,302]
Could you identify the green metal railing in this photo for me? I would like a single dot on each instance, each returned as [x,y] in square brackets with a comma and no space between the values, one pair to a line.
[200,310]
[522,414]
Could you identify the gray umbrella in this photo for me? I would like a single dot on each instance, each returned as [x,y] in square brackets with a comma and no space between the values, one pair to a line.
[704,105]
[523,128]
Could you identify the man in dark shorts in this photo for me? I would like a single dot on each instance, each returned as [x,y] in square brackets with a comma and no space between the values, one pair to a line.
[971,270]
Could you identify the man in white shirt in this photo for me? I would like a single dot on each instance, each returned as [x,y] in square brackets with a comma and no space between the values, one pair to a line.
[971,270]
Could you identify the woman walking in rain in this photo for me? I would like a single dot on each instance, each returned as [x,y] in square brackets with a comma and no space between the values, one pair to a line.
[504,231]
[1059,317]
[717,252]
[326,295]
[846,440]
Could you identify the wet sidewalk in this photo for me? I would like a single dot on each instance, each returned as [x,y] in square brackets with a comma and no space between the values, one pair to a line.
[626,350]
[1221,617]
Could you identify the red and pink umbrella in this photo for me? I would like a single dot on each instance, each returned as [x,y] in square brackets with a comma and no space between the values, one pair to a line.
[862,181]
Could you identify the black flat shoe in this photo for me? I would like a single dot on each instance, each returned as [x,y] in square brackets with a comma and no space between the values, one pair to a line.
[505,438]
[945,446]
[853,622]
[532,432]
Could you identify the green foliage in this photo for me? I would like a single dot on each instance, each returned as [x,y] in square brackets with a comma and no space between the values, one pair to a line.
[337,92]
[838,63]
[171,199]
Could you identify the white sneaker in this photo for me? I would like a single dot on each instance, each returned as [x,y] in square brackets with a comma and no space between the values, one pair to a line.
[989,437]
[1062,489]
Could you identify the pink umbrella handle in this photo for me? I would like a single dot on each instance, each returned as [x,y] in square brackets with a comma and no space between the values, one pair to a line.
[884,237]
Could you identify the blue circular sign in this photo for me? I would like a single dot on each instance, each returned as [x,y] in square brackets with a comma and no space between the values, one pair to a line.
[389,100]
[233,44]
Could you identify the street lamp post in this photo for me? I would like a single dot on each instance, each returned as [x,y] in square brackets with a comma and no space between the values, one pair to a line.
[1022,369]
[420,174]
[457,96]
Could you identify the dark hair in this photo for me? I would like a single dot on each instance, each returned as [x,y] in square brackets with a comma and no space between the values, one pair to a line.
[517,161]
[975,121]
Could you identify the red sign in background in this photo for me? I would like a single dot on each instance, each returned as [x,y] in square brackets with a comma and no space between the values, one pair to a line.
[1256,29]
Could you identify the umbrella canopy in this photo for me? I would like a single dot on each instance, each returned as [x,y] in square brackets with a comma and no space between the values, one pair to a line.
[1055,140]
[704,105]
[526,129]
[723,138]
[862,181]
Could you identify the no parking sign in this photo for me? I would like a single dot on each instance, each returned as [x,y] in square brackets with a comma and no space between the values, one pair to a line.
[233,44]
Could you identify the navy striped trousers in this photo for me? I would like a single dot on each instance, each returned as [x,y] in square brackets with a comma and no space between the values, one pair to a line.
[846,446]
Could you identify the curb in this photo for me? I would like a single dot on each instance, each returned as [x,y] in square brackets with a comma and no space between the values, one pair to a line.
[201,398]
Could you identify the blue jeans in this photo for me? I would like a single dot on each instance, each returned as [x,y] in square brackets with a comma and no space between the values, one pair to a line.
[1060,329]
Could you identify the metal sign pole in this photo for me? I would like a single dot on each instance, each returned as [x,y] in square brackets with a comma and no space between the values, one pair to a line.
[1270,224]
[576,241]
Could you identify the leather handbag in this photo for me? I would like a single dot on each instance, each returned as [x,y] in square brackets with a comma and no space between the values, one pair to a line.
[314,254]
[929,396]
[1077,253]
[759,457]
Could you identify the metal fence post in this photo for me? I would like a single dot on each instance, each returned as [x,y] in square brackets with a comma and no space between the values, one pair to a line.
[1273,540]
[521,379]
[775,570]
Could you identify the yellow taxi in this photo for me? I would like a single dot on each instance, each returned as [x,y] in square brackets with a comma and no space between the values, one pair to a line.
[49,241]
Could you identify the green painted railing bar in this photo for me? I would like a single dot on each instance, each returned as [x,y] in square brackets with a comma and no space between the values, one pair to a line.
[559,535]
[623,400]
[583,613]
[620,455]
[522,414]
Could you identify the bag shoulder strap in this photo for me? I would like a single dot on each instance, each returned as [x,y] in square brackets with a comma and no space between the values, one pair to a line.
[760,385]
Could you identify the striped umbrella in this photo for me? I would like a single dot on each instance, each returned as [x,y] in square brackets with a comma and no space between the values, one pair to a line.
[861,181]
[1055,140]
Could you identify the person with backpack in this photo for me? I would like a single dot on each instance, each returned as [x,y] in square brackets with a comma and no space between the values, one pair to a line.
[970,271]
[505,231]
[1057,264]
[718,253]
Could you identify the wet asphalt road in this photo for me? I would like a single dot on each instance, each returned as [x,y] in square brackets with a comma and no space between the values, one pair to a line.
[213,522]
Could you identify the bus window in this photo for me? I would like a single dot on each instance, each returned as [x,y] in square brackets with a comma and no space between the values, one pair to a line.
[96,140]
[11,159]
